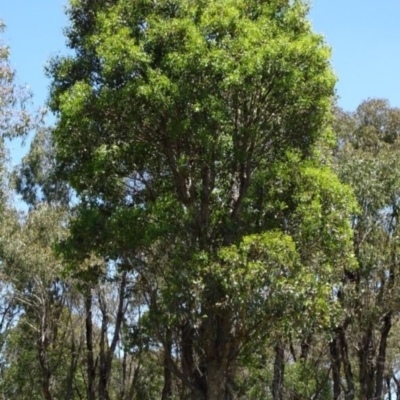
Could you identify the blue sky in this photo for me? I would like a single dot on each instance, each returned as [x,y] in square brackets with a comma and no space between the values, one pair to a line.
[34,33]
[365,39]
[364,36]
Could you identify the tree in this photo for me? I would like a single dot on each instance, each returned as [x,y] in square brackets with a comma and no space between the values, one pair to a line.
[192,133]
[15,120]
[35,179]
[45,339]
[44,321]
[367,159]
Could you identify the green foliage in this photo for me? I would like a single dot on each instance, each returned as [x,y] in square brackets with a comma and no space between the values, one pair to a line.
[367,159]
[306,381]
[35,178]
[193,135]
[20,380]
[136,102]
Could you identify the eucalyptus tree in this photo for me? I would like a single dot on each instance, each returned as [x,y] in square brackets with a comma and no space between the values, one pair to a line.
[192,133]
[15,121]
[15,118]
[88,315]
[35,330]
[46,337]
[367,158]
[35,179]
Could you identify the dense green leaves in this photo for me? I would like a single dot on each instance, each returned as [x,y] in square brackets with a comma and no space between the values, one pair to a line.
[180,126]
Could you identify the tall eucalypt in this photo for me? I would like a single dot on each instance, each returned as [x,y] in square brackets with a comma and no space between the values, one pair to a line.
[193,133]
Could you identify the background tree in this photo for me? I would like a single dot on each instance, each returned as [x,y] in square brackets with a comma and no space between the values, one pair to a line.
[367,158]
[14,121]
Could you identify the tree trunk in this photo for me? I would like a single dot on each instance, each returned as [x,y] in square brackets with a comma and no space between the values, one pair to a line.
[69,387]
[335,362]
[216,381]
[193,379]
[344,355]
[279,369]
[366,368]
[397,383]
[107,353]
[90,367]
[103,370]
[381,359]
[219,355]
[305,347]
[167,389]
[43,342]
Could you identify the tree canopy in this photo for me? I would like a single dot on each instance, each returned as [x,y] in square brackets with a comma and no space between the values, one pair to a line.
[178,121]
